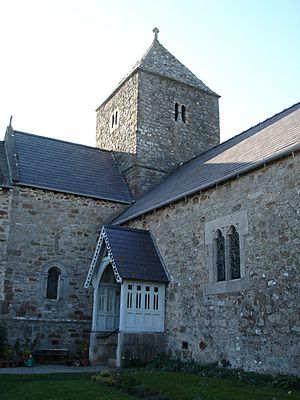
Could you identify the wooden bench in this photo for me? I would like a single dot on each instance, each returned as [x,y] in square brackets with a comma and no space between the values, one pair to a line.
[51,354]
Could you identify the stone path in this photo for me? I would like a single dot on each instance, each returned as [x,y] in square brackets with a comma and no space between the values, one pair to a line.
[51,369]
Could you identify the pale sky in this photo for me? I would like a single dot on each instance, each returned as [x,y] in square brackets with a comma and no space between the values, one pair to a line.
[61,58]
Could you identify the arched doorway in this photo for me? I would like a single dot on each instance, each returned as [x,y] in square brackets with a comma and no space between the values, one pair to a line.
[108,310]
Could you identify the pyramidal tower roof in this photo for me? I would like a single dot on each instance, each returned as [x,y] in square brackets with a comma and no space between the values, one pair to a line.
[158,60]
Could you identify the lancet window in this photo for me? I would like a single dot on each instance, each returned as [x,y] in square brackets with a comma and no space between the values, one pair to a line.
[180,113]
[114,120]
[227,255]
[234,253]
[219,248]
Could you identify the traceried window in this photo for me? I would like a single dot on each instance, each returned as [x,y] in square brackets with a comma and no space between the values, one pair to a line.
[234,253]
[225,238]
[53,283]
[219,253]
[226,254]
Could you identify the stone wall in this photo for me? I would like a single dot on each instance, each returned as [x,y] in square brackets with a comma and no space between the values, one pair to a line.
[164,143]
[122,139]
[50,229]
[256,325]
[147,141]
[4,232]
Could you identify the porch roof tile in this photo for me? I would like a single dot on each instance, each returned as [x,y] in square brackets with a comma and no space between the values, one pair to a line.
[135,254]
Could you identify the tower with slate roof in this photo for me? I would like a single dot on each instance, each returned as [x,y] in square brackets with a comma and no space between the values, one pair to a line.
[159,116]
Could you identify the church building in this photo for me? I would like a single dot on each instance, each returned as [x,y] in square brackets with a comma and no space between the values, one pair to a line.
[160,239]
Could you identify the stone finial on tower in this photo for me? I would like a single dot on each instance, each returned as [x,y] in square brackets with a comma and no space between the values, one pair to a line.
[155,31]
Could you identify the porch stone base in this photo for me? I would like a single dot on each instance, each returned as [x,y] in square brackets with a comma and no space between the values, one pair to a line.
[120,349]
[139,348]
[103,348]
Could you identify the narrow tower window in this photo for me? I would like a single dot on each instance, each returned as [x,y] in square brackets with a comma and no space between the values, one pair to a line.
[114,120]
[183,114]
[52,283]
[176,111]
[180,113]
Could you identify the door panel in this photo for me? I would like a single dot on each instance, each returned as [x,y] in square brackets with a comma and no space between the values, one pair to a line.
[108,316]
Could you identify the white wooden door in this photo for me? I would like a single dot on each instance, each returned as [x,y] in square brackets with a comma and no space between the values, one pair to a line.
[108,317]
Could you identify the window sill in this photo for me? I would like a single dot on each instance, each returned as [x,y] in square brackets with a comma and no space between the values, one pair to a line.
[235,285]
[51,301]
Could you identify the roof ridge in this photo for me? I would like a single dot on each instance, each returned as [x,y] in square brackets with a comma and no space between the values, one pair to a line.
[62,141]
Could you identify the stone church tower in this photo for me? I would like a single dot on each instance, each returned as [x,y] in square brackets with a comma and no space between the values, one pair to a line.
[158,117]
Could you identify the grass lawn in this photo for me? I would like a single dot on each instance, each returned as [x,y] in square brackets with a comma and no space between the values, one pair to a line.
[181,386]
[56,387]
[178,386]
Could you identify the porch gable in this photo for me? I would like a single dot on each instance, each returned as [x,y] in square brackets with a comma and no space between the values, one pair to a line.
[132,254]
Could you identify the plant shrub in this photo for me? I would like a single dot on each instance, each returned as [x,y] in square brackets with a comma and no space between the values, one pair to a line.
[225,372]
[286,382]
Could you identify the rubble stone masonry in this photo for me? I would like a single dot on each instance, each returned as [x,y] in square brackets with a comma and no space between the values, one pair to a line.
[254,324]
[48,229]
[147,141]
[4,233]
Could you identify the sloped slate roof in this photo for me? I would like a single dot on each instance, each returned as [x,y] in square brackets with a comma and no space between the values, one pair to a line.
[269,140]
[135,254]
[132,254]
[4,172]
[66,167]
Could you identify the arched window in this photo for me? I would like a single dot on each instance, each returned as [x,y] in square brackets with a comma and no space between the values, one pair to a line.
[183,113]
[180,109]
[52,283]
[226,241]
[176,111]
[234,253]
[219,251]
[114,120]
